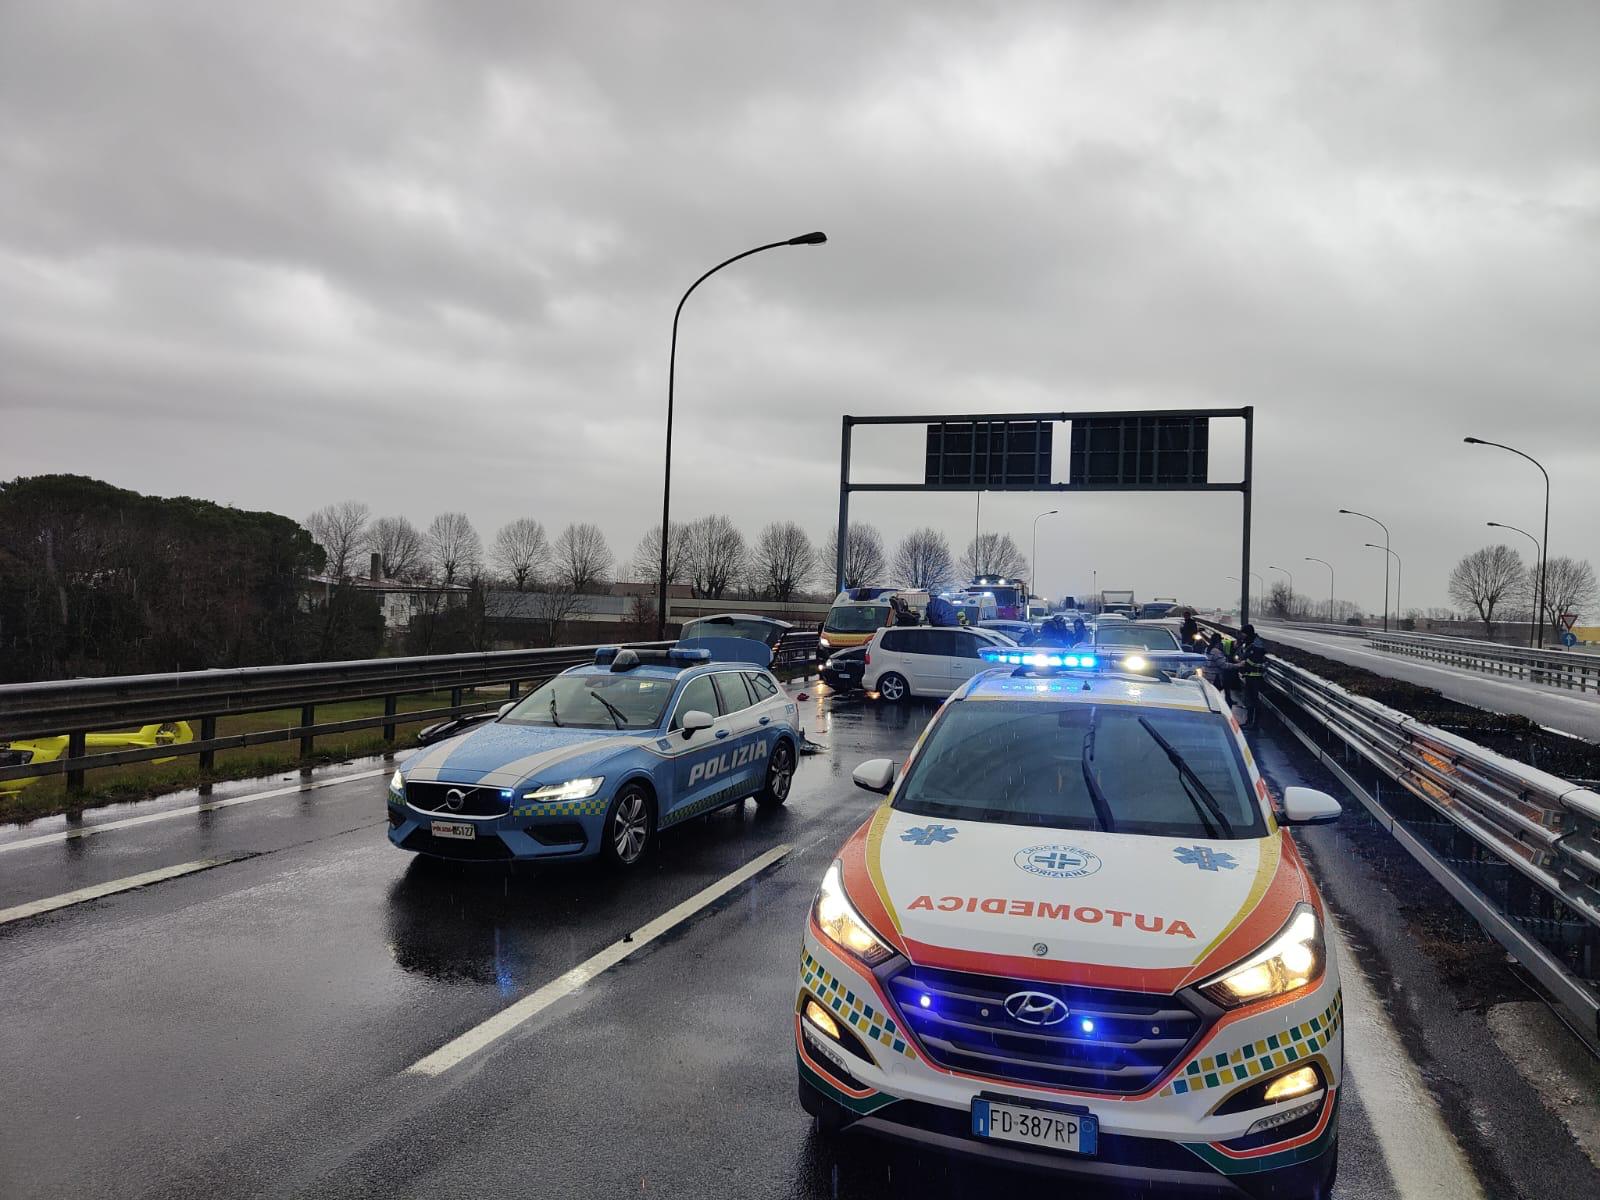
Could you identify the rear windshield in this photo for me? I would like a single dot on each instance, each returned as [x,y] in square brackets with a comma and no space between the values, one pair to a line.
[1083,766]
[1132,635]
[855,618]
[595,702]
[756,631]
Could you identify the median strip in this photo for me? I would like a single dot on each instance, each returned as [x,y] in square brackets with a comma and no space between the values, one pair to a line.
[531,1005]
[34,908]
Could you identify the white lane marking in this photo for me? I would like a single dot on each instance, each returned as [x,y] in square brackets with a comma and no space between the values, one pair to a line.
[34,908]
[507,1019]
[1423,1159]
[190,810]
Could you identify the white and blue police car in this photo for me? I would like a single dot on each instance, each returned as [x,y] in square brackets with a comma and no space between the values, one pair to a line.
[601,758]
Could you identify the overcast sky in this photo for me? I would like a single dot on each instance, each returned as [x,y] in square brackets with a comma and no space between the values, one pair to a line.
[426,255]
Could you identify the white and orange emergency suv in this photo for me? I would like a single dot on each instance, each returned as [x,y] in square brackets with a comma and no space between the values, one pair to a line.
[1078,936]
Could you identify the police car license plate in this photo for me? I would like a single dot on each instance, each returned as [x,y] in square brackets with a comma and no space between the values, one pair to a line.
[1076,1133]
[455,829]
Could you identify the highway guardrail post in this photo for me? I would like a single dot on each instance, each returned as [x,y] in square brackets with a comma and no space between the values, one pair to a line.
[77,747]
[208,730]
[308,741]
[391,705]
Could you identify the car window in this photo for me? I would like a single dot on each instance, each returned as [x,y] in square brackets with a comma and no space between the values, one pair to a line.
[1133,635]
[967,645]
[855,618]
[735,695]
[765,632]
[904,641]
[1028,762]
[697,693]
[762,685]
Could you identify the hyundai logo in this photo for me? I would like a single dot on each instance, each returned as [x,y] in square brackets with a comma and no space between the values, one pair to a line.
[1036,1008]
[454,799]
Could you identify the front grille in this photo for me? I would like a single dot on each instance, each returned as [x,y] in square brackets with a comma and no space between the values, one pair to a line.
[475,801]
[15,758]
[480,849]
[1111,1041]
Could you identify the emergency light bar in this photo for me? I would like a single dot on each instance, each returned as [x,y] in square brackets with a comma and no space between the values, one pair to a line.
[1033,658]
[622,658]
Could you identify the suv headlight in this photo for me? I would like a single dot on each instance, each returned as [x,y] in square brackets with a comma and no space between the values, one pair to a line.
[1290,961]
[838,919]
[572,789]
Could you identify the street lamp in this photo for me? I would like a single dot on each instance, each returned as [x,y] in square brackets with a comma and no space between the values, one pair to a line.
[1033,584]
[1350,512]
[1242,590]
[1397,568]
[1538,556]
[805,239]
[1329,565]
[1544,542]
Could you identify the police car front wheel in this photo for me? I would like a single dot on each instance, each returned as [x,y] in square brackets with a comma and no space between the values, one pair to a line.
[630,826]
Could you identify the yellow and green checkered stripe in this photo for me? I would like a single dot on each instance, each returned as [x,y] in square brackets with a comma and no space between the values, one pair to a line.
[857,1013]
[1268,1054]
[594,806]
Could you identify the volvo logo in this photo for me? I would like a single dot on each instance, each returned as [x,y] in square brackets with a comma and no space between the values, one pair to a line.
[1036,1008]
[454,799]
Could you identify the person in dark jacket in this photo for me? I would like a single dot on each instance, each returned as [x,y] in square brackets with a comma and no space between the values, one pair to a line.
[1054,632]
[1252,673]
[1080,633]
[1189,634]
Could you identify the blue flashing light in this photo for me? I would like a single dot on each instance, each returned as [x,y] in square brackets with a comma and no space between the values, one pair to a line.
[686,655]
[925,1000]
[1086,1025]
[505,793]
[1023,658]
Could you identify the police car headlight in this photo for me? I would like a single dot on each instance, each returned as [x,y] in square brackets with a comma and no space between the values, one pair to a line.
[572,789]
[1292,960]
[396,783]
[837,918]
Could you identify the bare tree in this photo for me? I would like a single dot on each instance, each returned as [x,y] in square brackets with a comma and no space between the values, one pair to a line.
[398,544]
[454,547]
[647,555]
[922,560]
[1569,586]
[1486,580]
[554,603]
[1282,602]
[341,530]
[715,555]
[782,561]
[521,551]
[581,560]
[994,554]
[864,560]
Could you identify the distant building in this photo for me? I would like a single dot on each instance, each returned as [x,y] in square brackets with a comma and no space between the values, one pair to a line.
[400,600]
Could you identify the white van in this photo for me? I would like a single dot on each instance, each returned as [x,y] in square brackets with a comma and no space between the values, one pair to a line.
[920,660]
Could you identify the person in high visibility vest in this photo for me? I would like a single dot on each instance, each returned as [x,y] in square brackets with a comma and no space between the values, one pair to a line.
[1252,672]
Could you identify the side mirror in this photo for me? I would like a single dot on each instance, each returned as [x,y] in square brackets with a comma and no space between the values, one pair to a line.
[695,720]
[505,708]
[876,775]
[1307,806]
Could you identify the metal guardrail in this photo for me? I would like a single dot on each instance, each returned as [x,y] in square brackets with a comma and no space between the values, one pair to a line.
[77,707]
[1516,818]
[1554,668]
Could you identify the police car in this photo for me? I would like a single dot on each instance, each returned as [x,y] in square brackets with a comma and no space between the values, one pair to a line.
[1078,937]
[603,757]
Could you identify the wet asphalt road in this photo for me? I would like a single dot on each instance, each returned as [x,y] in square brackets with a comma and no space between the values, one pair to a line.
[245,1030]
[1574,712]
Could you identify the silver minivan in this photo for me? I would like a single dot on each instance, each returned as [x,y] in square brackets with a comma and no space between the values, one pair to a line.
[919,660]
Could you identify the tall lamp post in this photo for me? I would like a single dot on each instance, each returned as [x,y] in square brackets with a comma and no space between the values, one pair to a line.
[1033,585]
[1287,572]
[1538,557]
[1544,542]
[805,239]
[1350,512]
[1329,565]
[1242,590]
[1398,565]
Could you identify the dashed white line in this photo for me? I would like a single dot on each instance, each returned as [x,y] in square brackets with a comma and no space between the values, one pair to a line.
[34,908]
[67,835]
[508,1019]
[1423,1159]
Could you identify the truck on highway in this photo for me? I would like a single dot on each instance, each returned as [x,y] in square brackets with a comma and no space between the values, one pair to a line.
[1119,601]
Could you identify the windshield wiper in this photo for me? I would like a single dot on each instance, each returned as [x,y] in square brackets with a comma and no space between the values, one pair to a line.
[553,716]
[618,717]
[1102,806]
[1196,793]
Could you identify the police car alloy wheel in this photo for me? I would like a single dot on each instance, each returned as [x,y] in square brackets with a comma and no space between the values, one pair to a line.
[780,775]
[893,688]
[629,830]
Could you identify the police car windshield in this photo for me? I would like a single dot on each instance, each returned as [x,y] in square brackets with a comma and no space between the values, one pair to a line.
[595,702]
[1083,766]
[1131,635]
[855,618]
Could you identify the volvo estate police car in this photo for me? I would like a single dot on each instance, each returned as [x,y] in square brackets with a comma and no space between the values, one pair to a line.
[1077,936]
[603,756]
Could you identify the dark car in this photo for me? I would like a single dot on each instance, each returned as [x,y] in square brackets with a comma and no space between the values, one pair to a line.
[767,630]
[843,670]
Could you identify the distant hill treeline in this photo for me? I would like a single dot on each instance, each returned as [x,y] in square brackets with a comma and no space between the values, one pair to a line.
[98,580]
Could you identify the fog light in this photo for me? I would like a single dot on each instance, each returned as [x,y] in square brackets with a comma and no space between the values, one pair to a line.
[1295,1083]
[1287,1117]
[821,1018]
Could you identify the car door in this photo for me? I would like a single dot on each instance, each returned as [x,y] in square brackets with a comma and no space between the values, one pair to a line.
[742,731]
[773,711]
[923,666]
[696,758]
[962,661]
